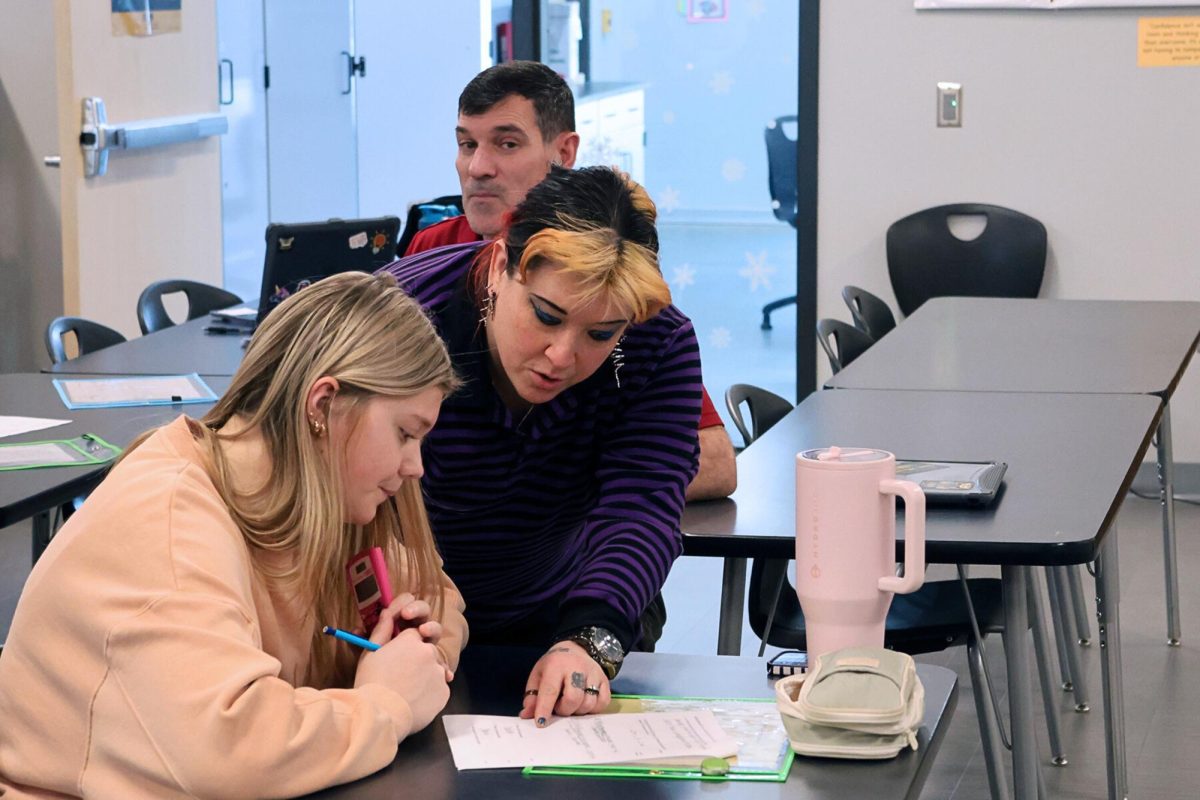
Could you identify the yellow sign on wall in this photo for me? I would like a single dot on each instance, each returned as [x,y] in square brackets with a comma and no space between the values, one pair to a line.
[1168,41]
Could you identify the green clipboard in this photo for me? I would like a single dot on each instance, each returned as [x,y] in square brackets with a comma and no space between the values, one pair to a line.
[764,753]
[85,450]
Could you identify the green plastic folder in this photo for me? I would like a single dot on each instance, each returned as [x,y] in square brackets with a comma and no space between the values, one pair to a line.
[764,753]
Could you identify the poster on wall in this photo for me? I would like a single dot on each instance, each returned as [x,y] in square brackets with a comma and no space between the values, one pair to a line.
[146,17]
[1050,5]
[707,11]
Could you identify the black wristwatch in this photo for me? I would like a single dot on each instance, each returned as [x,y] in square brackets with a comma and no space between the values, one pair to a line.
[602,645]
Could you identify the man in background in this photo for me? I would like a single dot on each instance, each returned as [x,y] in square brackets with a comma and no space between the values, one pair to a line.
[514,121]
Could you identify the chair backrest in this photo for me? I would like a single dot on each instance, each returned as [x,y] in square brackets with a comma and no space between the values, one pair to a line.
[848,342]
[766,408]
[201,298]
[89,337]
[782,164]
[871,314]
[925,259]
[422,215]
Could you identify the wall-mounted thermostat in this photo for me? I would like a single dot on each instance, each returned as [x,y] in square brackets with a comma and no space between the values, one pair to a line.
[949,105]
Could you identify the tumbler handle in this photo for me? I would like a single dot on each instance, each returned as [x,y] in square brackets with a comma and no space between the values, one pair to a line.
[914,537]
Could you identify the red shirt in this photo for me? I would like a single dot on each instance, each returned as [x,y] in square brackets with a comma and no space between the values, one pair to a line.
[456,231]
[449,231]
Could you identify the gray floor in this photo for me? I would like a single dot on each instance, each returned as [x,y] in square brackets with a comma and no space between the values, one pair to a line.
[1163,701]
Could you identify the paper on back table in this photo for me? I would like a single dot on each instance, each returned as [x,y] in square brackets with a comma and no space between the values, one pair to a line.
[490,742]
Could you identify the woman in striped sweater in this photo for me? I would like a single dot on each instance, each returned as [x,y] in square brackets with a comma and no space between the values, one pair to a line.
[555,480]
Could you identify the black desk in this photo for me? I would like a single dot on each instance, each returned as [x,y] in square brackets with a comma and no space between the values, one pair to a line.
[180,349]
[1071,459]
[490,681]
[1009,345]
[32,492]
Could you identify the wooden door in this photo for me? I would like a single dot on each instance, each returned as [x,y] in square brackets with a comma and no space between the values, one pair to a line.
[157,212]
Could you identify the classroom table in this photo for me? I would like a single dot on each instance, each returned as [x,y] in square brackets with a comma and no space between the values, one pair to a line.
[34,492]
[1020,345]
[490,681]
[1071,459]
[179,349]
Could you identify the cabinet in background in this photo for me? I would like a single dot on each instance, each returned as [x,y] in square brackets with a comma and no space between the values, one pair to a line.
[611,121]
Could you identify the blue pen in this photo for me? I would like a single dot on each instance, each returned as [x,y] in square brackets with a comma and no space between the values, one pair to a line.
[346,636]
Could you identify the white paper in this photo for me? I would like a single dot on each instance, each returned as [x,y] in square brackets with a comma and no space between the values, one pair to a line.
[487,742]
[131,390]
[11,426]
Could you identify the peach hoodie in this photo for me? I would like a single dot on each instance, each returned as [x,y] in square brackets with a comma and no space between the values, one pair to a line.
[147,659]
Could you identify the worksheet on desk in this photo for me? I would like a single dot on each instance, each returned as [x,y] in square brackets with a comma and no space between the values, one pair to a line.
[490,742]
[11,426]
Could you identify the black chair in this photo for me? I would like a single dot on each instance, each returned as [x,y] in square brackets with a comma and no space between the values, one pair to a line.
[422,215]
[782,167]
[201,297]
[871,315]
[848,342]
[89,337]
[925,259]
[766,408]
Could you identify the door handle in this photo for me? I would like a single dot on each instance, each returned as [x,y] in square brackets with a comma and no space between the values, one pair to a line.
[354,66]
[97,136]
[221,82]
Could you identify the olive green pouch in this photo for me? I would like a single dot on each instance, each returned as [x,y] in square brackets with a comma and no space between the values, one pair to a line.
[854,703]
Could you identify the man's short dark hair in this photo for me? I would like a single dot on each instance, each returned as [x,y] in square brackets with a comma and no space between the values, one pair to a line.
[553,103]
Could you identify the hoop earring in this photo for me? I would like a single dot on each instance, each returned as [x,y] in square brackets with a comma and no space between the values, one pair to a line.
[316,426]
[618,361]
[489,307]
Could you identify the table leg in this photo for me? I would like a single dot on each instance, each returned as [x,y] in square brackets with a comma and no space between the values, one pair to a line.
[1166,483]
[733,606]
[1015,582]
[41,534]
[1108,602]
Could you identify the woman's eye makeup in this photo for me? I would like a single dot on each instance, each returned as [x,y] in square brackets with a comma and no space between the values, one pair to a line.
[602,336]
[544,316]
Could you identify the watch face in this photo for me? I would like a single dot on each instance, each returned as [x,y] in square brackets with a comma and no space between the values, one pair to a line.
[608,645]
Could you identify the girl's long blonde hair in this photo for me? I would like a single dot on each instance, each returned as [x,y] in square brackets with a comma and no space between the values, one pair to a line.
[375,340]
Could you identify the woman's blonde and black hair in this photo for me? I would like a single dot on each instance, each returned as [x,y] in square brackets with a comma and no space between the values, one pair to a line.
[595,224]
[375,340]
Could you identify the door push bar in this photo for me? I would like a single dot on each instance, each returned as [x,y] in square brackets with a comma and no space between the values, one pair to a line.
[97,136]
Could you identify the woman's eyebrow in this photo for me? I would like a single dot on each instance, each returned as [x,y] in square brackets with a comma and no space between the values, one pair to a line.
[566,313]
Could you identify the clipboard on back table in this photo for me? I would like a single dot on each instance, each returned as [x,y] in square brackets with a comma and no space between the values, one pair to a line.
[301,254]
[764,752]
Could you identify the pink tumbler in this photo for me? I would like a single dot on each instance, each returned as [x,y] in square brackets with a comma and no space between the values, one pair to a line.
[846,544]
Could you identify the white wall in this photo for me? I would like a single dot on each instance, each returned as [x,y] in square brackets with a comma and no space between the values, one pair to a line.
[1058,122]
[30,249]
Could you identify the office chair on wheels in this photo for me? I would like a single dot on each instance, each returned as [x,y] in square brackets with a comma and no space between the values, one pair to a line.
[782,166]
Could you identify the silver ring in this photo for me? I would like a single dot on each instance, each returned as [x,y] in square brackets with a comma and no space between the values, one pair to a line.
[593,690]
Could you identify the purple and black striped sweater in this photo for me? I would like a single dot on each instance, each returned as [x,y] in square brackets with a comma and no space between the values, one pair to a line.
[575,505]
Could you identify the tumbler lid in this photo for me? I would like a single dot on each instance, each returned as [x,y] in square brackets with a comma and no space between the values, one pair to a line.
[846,455]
